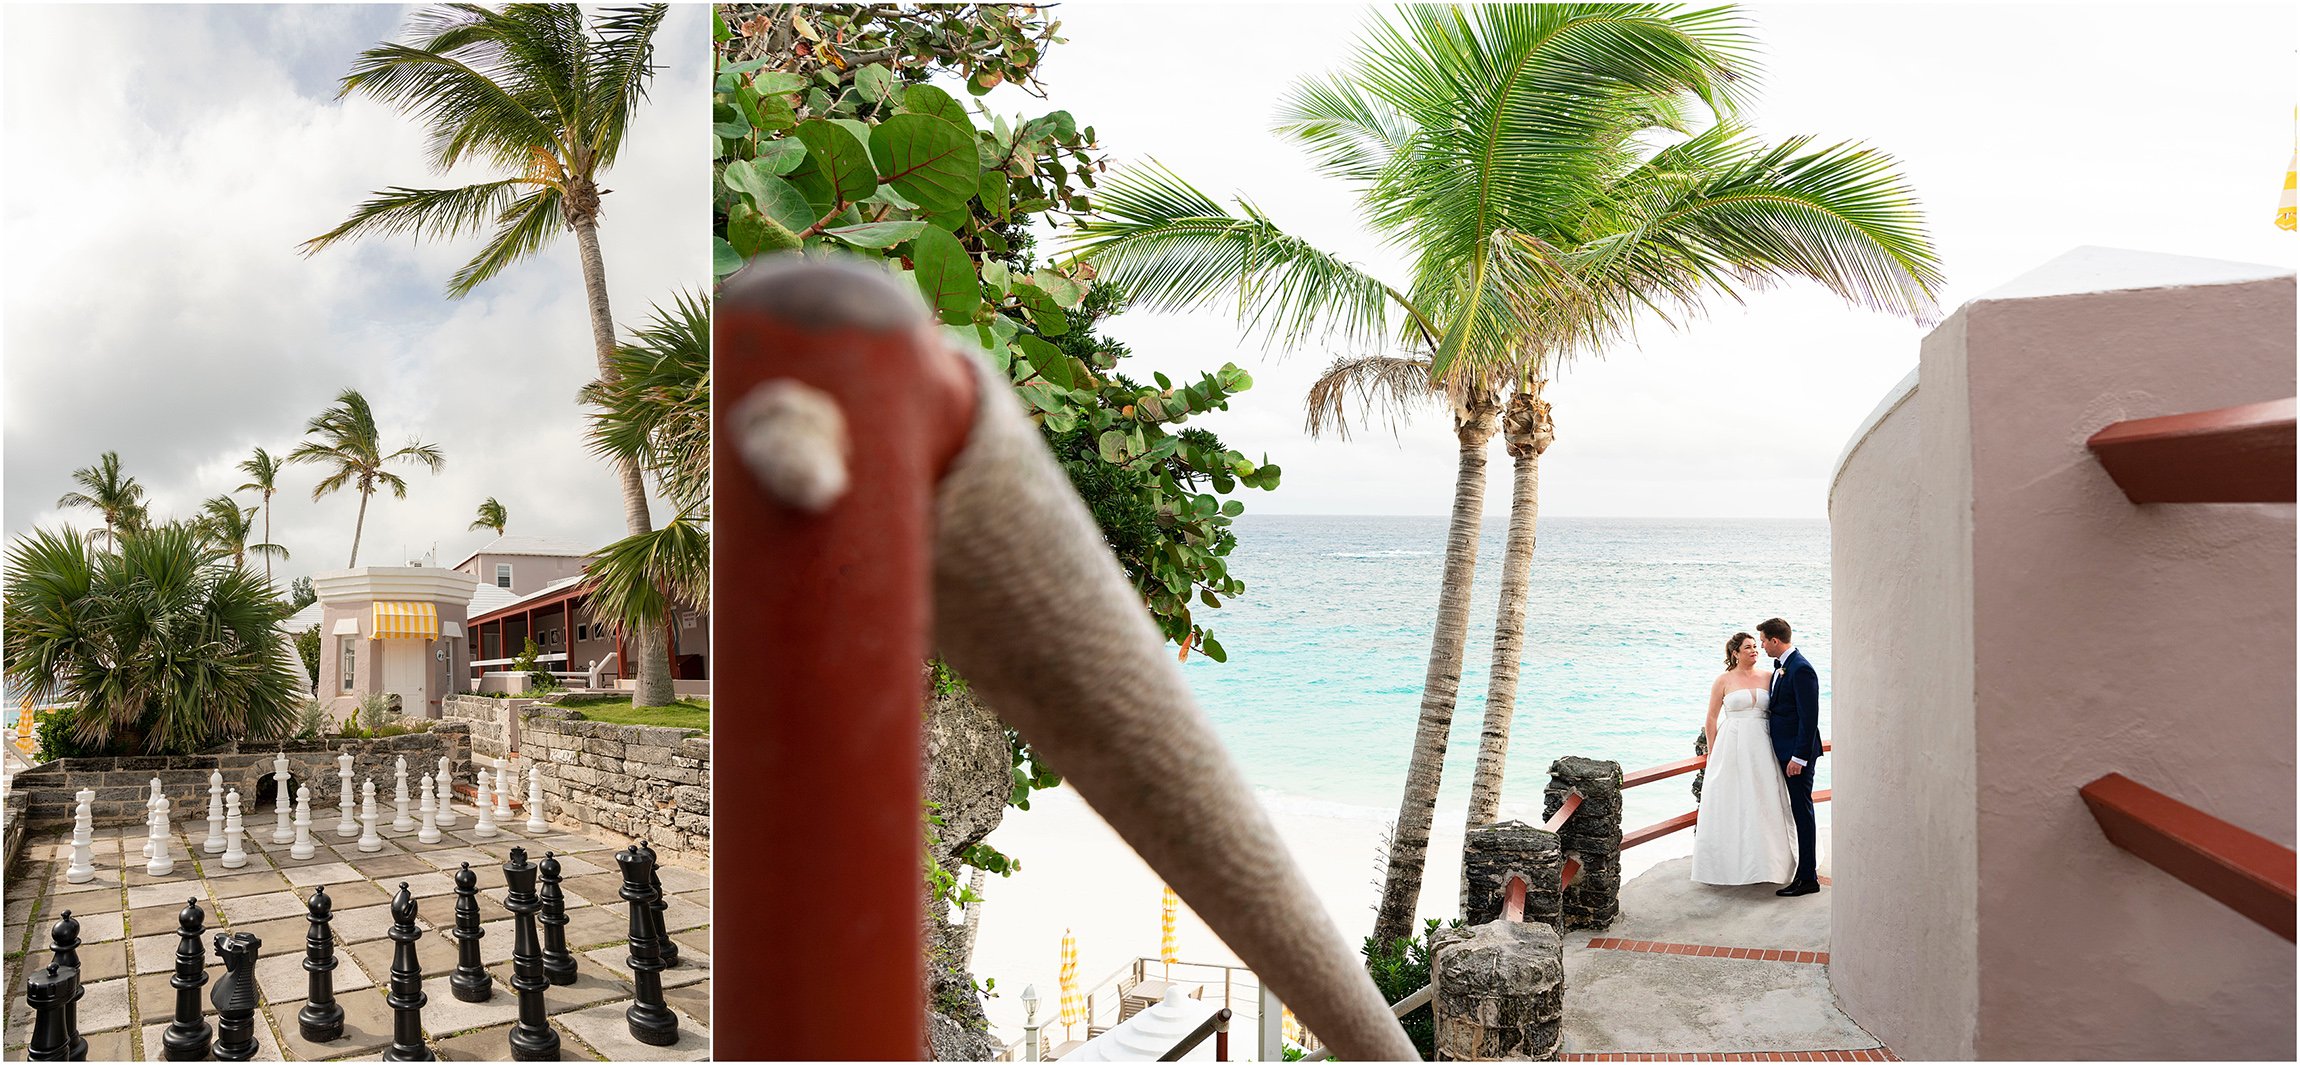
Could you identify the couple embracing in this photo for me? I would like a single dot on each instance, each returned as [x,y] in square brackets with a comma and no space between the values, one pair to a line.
[1764,744]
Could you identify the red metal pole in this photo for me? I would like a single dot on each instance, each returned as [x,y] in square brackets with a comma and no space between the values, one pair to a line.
[831,613]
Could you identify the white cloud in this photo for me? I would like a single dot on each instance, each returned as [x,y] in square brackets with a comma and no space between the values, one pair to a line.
[156,304]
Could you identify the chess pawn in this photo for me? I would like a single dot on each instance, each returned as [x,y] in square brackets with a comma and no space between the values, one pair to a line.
[471,981]
[535,821]
[215,840]
[187,1039]
[234,997]
[50,992]
[651,1022]
[558,963]
[664,948]
[406,998]
[430,811]
[303,845]
[321,1019]
[346,824]
[485,829]
[532,1038]
[64,952]
[162,861]
[400,821]
[282,802]
[446,786]
[235,853]
[83,865]
[369,840]
[503,792]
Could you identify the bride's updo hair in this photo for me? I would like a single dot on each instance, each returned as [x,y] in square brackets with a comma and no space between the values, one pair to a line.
[1733,648]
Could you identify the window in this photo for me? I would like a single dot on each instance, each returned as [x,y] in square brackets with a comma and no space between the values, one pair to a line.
[582,630]
[503,574]
[350,661]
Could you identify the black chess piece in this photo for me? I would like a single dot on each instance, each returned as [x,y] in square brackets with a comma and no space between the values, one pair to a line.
[234,996]
[406,998]
[668,950]
[651,1021]
[64,945]
[321,1019]
[532,1038]
[188,1038]
[50,992]
[558,963]
[471,981]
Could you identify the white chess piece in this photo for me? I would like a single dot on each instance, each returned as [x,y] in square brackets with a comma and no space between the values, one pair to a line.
[215,841]
[303,846]
[368,839]
[400,821]
[83,866]
[347,825]
[235,854]
[282,801]
[152,803]
[485,829]
[535,821]
[162,862]
[446,786]
[503,791]
[430,833]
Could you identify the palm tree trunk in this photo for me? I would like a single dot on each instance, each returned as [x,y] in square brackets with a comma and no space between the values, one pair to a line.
[267,539]
[1409,843]
[1526,431]
[649,644]
[356,527]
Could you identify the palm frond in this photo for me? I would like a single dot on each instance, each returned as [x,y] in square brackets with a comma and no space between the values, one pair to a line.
[1390,385]
[655,400]
[1349,134]
[634,582]
[430,214]
[618,80]
[524,228]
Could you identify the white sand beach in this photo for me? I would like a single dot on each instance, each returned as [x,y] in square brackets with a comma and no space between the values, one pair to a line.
[1077,874]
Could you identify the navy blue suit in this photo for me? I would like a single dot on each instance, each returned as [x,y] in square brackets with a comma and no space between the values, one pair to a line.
[1794,720]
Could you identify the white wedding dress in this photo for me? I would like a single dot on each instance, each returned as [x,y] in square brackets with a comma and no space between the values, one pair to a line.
[1744,832]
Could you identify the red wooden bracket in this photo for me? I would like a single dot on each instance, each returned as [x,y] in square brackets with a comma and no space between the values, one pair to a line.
[2241,870]
[2231,455]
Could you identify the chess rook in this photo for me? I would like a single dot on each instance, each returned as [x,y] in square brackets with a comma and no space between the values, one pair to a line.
[64,953]
[485,828]
[400,821]
[446,794]
[50,992]
[471,981]
[651,1022]
[215,841]
[430,811]
[532,1038]
[188,1037]
[163,861]
[281,800]
[535,821]
[321,1019]
[235,834]
[346,824]
[235,997]
[83,865]
[406,998]
[558,963]
[368,839]
[303,848]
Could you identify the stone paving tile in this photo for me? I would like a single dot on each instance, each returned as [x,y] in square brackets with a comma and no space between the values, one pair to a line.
[499,893]
[249,909]
[318,873]
[595,925]
[428,885]
[282,933]
[156,998]
[366,1027]
[680,915]
[98,962]
[446,1014]
[697,939]
[608,1033]
[601,886]
[369,922]
[174,892]
[676,880]
[494,1044]
[99,927]
[107,878]
[450,858]
[391,867]
[266,1050]
[434,955]
[694,1000]
[253,884]
[154,953]
[282,978]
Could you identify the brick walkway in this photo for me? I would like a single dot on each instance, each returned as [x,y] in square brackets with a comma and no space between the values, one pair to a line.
[128,931]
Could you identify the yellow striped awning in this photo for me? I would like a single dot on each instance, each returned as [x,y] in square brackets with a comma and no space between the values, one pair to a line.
[406,621]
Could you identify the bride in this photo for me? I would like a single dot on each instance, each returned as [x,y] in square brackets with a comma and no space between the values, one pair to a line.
[1742,836]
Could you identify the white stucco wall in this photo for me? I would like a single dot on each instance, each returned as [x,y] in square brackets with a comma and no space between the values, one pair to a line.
[2008,628]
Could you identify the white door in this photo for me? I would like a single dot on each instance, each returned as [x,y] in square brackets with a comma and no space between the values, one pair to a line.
[405,666]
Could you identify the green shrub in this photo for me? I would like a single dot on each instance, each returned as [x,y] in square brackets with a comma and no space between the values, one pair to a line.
[1402,968]
[311,718]
[373,710]
[55,732]
[307,645]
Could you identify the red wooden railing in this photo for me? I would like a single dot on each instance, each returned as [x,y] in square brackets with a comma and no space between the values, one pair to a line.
[2241,870]
[2231,455]
[1658,829]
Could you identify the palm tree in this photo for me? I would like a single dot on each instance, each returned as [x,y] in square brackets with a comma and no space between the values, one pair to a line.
[655,412]
[163,648]
[347,443]
[545,96]
[120,499]
[263,476]
[227,527]
[1510,150]
[491,516]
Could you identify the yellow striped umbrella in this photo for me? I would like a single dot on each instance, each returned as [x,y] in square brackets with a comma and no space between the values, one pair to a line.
[1073,1003]
[2288,205]
[1167,904]
[1291,1028]
[27,728]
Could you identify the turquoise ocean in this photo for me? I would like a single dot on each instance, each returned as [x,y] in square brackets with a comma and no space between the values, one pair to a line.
[1626,627]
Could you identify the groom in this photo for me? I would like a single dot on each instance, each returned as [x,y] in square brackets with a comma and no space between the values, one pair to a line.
[1795,723]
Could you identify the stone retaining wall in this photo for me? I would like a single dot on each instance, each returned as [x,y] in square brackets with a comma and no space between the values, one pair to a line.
[122,784]
[639,782]
[12,834]
[494,723]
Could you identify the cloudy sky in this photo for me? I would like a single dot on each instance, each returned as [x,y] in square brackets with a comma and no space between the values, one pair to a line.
[163,164]
[2027,130]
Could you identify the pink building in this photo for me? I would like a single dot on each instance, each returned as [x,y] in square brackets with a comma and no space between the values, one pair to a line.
[392,631]
[522,565]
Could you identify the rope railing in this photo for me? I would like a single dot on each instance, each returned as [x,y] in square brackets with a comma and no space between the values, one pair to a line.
[1658,829]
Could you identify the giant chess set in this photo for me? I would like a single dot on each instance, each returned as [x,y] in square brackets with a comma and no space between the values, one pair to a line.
[534,895]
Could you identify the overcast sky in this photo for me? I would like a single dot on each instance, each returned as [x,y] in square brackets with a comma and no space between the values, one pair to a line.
[163,164]
[2027,130]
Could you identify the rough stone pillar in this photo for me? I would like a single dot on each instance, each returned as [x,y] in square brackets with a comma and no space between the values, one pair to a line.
[1592,836]
[1499,992]
[1491,854]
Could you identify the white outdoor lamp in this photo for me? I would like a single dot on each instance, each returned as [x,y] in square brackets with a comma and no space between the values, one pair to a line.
[1030,1022]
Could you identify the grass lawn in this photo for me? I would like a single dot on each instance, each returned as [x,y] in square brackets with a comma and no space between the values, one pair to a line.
[686,713]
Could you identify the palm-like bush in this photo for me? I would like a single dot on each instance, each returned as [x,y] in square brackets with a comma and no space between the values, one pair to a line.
[347,442]
[164,645]
[228,527]
[263,472]
[108,492]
